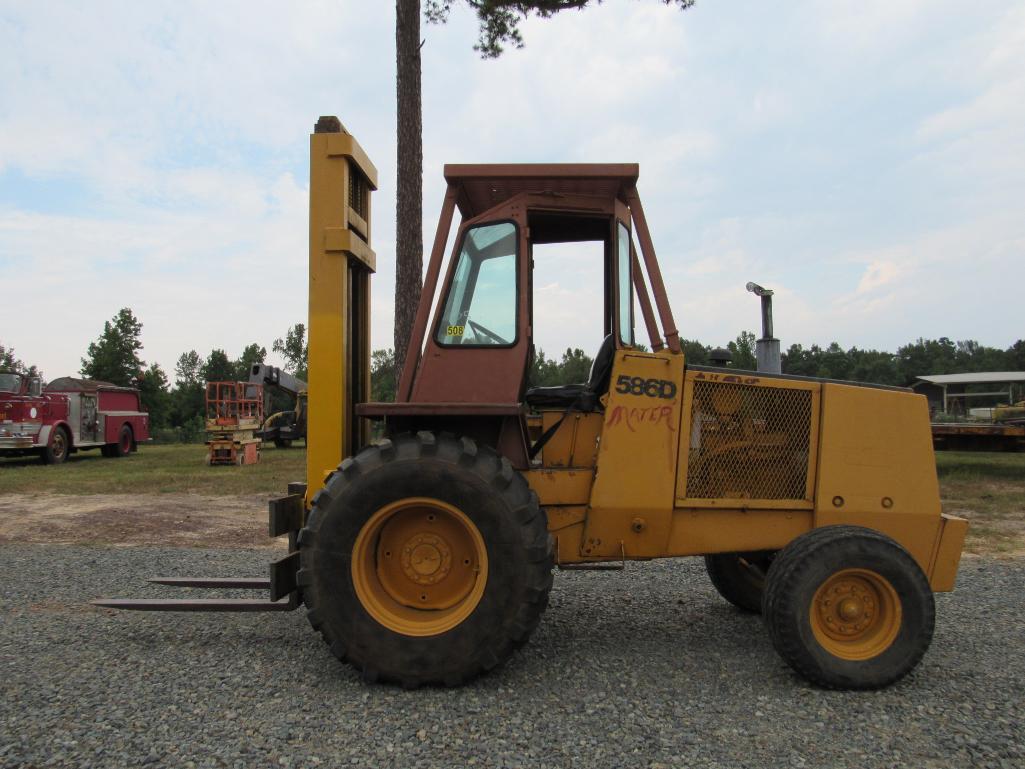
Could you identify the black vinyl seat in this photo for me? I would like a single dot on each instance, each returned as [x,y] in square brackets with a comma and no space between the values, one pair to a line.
[578,397]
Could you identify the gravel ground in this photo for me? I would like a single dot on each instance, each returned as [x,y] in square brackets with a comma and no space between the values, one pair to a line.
[648,668]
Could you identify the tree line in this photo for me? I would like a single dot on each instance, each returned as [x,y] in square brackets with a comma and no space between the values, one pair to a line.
[902,368]
[176,407]
[11,362]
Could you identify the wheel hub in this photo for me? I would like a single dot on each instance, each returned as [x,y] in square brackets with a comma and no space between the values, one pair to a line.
[419,566]
[426,559]
[856,614]
[847,606]
[851,610]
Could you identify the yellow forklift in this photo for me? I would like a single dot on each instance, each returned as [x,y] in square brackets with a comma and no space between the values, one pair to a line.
[427,556]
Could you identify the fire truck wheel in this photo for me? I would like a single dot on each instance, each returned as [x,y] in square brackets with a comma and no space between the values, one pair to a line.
[848,608]
[123,447]
[740,577]
[425,560]
[56,450]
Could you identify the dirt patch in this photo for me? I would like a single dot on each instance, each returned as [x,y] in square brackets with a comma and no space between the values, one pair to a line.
[174,520]
[995,510]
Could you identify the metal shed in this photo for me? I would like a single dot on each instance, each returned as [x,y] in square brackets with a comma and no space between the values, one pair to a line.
[945,389]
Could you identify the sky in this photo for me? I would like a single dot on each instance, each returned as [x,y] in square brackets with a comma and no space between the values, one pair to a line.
[864,159]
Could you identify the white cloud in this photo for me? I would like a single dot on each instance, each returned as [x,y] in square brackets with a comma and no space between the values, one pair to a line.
[864,159]
[878,274]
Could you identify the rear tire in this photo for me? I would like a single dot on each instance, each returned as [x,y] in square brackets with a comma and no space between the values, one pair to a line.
[425,560]
[848,608]
[740,577]
[282,443]
[123,447]
[57,447]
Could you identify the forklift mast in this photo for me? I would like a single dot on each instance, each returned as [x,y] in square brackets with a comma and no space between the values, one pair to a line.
[341,262]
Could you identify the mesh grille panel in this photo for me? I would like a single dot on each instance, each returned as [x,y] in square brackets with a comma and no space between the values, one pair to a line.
[748,442]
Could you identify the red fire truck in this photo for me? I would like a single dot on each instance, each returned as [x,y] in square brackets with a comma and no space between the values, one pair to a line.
[68,415]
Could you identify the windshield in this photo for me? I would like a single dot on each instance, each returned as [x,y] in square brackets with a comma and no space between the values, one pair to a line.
[10,383]
[626,300]
[481,304]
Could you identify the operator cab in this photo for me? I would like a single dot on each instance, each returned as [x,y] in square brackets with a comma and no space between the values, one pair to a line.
[480,342]
[471,357]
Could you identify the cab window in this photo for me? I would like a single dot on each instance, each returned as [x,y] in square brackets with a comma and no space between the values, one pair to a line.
[481,306]
[626,302]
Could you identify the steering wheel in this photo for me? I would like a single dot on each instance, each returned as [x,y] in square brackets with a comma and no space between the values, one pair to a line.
[480,330]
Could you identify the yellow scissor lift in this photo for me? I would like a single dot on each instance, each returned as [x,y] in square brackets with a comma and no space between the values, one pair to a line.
[234,413]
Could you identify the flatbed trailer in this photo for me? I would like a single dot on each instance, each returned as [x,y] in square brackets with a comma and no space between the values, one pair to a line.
[978,436]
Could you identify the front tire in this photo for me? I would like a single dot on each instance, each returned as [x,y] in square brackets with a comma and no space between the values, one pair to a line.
[425,560]
[848,608]
[57,447]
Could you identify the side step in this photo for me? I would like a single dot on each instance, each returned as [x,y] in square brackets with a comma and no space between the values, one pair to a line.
[286,517]
[619,565]
[601,566]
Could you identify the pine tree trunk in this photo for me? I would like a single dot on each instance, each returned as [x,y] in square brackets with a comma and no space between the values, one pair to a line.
[409,181]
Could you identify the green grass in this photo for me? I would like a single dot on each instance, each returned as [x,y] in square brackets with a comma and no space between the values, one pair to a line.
[174,468]
[986,488]
[980,465]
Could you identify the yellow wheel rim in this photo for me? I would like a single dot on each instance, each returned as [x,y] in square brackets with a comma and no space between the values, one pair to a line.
[419,566]
[856,614]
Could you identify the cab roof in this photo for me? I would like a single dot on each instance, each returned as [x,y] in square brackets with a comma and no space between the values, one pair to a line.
[484,186]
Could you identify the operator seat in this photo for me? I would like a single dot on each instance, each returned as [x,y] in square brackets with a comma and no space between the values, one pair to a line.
[578,397]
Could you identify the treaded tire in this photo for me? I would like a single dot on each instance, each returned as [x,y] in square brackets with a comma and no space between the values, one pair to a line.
[740,577]
[806,564]
[123,447]
[505,511]
[57,448]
